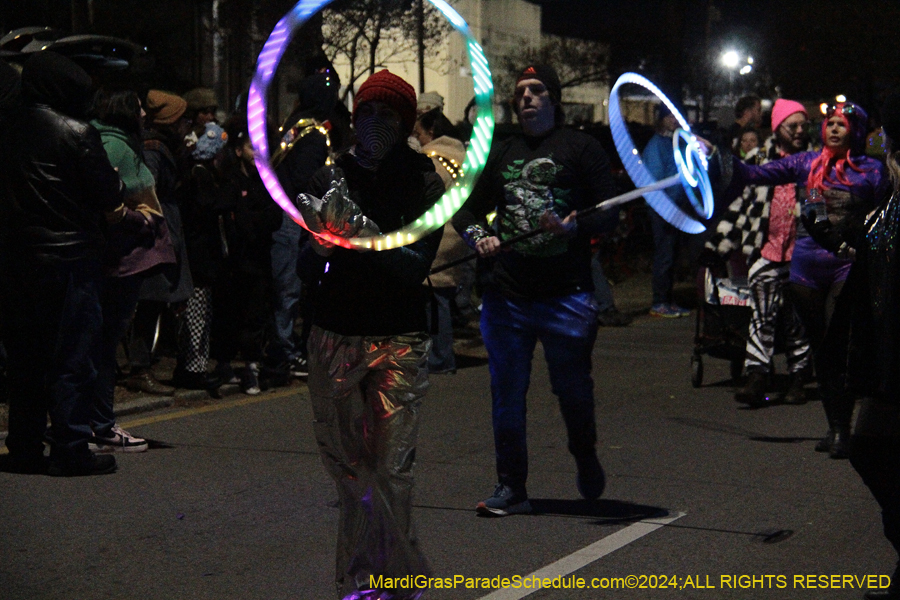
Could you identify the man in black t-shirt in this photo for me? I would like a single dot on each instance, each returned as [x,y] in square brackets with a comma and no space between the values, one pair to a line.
[541,289]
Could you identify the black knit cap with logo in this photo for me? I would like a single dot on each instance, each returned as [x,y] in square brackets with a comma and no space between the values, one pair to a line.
[546,75]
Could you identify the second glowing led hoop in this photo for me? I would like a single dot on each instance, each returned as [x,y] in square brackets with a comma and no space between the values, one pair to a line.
[694,170]
[449,203]
[691,168]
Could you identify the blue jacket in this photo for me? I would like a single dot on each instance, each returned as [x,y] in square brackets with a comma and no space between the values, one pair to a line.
[660,161]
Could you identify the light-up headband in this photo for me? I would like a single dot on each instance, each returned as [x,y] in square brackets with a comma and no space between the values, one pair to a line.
[692,164]
[449,203]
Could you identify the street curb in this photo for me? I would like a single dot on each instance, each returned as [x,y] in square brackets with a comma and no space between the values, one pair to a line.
[148,403]
[144,404]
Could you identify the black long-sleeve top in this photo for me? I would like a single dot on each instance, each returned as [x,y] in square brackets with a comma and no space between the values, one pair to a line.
[380,293]
[524,176]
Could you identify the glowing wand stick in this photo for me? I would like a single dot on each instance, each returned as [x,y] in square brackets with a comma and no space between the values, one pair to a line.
[605,205]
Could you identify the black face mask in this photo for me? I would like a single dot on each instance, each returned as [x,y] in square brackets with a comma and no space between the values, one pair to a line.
[375,138]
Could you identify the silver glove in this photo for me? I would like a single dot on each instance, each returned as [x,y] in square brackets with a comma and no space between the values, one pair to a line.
[336,213]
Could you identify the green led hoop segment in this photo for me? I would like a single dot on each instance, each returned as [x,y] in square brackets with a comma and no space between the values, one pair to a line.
[448,204]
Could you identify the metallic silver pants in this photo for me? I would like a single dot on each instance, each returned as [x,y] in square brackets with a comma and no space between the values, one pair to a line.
[365,393]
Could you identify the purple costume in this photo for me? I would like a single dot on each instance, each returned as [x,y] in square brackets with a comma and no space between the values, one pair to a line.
[813,266]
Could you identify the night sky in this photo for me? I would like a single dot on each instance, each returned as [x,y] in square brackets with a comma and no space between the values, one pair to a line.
[809,49]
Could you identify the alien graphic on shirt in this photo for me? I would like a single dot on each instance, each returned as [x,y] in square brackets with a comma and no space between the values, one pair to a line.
[528,194]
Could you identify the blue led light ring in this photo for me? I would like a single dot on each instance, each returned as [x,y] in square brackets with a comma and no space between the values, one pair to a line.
[659,201]
[450,202]
[693,168]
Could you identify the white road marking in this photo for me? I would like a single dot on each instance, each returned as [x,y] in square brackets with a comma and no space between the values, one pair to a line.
[581,558]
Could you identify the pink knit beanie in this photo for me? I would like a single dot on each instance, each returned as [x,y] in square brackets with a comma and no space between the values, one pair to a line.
[783,109]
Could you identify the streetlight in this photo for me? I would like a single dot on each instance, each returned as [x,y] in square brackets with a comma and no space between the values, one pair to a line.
[731,59]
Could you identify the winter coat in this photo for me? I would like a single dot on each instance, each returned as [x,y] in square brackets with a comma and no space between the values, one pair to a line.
[125,255]
[173,282]
[60,179]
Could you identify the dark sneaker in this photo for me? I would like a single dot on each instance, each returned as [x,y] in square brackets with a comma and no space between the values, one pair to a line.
[250,379]
[591,480]
[224,374]
[754,393]
[117,440]
[668,311]
[299,367]
[613,318]
[96,464]
[796,393]
[272,376]
[504,502]
[679,311]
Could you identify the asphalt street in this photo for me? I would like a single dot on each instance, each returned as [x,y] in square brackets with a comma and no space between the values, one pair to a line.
[232,502]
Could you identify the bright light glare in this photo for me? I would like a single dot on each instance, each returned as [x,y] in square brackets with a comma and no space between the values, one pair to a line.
[841,98]
[731,59]
[823,107]
[749,60]
[745,69]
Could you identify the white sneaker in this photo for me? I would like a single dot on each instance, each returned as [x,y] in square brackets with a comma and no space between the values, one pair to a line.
[250,379]
[118,440]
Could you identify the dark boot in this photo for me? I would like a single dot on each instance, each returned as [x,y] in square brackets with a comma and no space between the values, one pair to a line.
[143,380]
[825,444]
[796,393]
[754,393]
[591,480]
[840,447]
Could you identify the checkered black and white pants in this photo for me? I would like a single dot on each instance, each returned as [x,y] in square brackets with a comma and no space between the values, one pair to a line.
[768,281]
[195,328]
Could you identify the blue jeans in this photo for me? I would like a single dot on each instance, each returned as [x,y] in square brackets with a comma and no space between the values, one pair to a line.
[52,324]
[285,252]
[441,359]
[118,301]
[665,238]
[566,327]
[602,291]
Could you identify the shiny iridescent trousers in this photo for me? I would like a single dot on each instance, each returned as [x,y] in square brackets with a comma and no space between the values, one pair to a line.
[366,392]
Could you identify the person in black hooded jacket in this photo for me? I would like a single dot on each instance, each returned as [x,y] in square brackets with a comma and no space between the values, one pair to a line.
[64,198]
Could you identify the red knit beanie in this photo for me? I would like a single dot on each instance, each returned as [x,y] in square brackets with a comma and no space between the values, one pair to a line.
[393,91]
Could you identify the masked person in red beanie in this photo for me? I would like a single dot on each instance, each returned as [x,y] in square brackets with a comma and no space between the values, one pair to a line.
[762,224]
[368,348]
[542,288]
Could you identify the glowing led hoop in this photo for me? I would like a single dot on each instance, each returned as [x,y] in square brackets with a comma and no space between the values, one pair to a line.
[631,159]
[449,203]
[693,168]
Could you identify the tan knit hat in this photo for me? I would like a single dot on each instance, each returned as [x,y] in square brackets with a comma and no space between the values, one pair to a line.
[199,98]
[164,108]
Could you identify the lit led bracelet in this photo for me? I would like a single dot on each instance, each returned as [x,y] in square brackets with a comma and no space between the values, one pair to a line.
[692,166]
[449,203]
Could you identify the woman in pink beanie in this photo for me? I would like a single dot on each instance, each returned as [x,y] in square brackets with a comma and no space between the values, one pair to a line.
[762,224]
